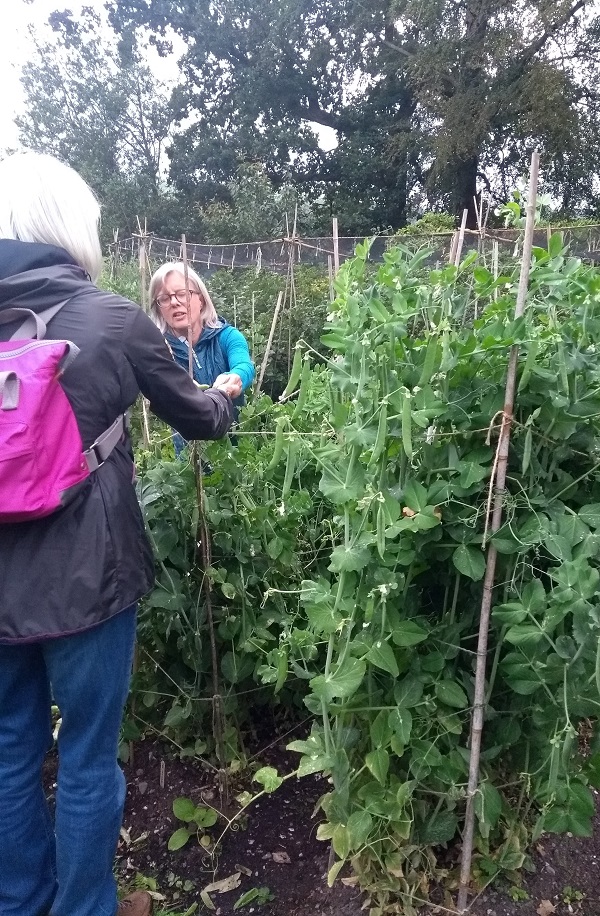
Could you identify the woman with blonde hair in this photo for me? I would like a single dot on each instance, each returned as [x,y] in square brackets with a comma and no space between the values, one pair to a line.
[220,353]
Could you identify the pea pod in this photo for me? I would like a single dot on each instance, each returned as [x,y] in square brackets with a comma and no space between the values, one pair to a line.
[381,434]
[303,390]
[554,763]
[429,362]
[407,427]
[527,450]
[562,368]
[567,748]
[294,374]
[381,530]
[278,450]
[446,352]
[290,467]
[529,363]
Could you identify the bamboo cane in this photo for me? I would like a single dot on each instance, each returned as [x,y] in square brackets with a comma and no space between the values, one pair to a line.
[336,247]
[486,602]
[203,539]
[188,304]
[330,275]
[461,238]
[269,343]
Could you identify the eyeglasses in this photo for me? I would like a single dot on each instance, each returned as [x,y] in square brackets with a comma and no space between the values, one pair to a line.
[164,300]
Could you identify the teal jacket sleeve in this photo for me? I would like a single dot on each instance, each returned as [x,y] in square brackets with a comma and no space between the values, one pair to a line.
[237,353]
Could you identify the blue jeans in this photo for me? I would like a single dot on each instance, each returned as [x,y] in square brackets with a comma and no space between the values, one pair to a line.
[65,868]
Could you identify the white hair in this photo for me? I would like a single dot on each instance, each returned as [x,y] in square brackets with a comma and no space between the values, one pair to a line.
[209,316]
[44,200]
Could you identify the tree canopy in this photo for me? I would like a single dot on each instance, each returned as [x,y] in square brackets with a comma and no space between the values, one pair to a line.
[429,98]
[431,101]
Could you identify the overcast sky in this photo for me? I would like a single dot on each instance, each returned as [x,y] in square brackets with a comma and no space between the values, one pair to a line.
[16,48]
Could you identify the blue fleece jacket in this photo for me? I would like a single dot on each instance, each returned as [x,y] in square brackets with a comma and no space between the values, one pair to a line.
[217,350]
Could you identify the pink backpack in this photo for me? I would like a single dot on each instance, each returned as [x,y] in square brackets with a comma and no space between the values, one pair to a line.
[42,460]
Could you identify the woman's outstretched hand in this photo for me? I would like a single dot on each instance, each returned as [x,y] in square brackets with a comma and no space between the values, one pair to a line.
[230,383]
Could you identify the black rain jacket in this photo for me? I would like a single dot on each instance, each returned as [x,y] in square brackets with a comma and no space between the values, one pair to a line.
[85,563]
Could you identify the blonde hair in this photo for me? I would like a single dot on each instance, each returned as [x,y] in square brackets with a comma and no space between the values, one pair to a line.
[44,200]
[208,315]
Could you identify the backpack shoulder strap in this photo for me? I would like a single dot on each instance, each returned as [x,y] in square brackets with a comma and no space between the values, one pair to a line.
[34,321]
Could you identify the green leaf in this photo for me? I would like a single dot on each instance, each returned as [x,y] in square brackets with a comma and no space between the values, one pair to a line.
[488,807]
[268,778]
[470,561]
[440,829]
[408,633]
[452,694]
[415,496]
[359,826]
[323,619]
[524,634]
[236,666]
[184,809]
[379,730]
[260,895]
[342,682]
[378,762]
[400,721]
[334,872]
[275,547]
[534,597]
[228,590]
[409,691]
[178,839]
[349,559]
[341,841]
[175,716]
[339,490]
[590,515]
[205,817]
[509,613]
[382,656]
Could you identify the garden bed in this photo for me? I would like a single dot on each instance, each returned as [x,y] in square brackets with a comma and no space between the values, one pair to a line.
[280,827]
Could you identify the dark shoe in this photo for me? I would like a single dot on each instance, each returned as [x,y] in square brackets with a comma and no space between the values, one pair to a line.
[137,904]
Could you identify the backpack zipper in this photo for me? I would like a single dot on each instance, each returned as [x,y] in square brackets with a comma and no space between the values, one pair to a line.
[35,343]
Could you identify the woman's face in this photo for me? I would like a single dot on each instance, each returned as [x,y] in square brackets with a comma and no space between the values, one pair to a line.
[174,309]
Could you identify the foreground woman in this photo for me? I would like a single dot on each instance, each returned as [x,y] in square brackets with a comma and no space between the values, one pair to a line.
[70,578]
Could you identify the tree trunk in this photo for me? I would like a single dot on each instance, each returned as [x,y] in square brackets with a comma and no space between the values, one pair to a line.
[465,189]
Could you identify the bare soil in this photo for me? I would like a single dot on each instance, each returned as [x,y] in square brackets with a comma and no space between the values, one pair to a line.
[275,847]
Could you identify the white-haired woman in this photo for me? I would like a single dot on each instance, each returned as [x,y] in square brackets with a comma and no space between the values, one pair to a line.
[220,354]
[70,580]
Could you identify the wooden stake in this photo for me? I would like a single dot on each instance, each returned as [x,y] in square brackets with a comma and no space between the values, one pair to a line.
[253,318]
[495,264]
[453,245]
[330,273]
[336,247]
[269,343]
[488,584]
[188,302]
[461,238]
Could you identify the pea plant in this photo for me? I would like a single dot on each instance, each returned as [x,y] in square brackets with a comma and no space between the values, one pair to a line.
[349,528]
[416,388]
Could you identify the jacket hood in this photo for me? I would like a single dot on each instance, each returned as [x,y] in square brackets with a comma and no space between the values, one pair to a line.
[36,276]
